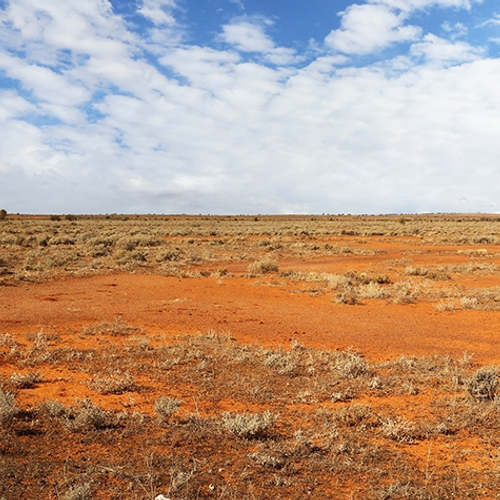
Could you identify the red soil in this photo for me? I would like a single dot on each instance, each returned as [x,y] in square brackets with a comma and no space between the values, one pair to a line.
[252,312]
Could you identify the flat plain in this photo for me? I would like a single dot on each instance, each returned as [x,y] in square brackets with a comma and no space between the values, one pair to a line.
[249,357]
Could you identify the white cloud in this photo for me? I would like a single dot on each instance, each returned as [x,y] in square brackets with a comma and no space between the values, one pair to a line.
[368,28]
[250,36]
[239,3]
[241,129]
[247,37]
[158,11]
[410,5]
[436,49]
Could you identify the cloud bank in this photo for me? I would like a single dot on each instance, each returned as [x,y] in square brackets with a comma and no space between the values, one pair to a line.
[103,112]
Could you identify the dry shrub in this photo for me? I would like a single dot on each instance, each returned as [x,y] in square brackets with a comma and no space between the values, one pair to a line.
[26,381]
[167,255]
[347,296]
[350,364]
[166,408]
[79,492]
[115,329]
[469,303]
[483,384]
[372,291]
[7,340]
[283,362]
[356,415]
[53,408]
[263,266]
[404,292]
[446,305]
[400,430]
[8,408]
[249,425]
[88,417]
[114,383]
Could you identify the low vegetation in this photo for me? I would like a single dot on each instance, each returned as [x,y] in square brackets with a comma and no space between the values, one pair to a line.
[40,248]
[208,417]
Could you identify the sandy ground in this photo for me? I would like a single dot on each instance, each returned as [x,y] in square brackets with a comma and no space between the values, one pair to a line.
[251,311]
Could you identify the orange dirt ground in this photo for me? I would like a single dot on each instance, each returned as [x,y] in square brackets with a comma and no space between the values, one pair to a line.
[268,315]
[264,310]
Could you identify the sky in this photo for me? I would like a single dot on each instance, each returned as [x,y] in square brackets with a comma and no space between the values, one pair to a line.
[249,106]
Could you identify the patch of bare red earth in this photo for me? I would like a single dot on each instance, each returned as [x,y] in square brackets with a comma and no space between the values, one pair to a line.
[251,313]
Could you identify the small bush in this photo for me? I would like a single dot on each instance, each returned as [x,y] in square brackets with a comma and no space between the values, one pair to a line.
[79,492]
[89,417]
[8,408]
[354,415]
[114,383]
[25,381]
[400,430]
[283,363]
[53,408]
[483,384]
[166,407]
[250,425]
[167,255]
[264,266]
[350,364]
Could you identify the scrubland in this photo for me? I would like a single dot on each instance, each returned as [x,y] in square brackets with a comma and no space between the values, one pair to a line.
[121,407]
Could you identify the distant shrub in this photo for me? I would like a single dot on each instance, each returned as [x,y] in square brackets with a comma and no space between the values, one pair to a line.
[166,408]
[25,381]
[3,214]
[400,430]
[263,266]
[483,384]
[88,417]
[249,425]
[79,492]
[170,255]
[8,408]
[114,383]
[55,218]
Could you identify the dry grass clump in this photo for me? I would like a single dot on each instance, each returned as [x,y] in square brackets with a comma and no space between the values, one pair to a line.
[483,384]
[115,329]
[79,492]
[115,382]
[264,266]
[166,407]
[88,416]
[8,408]
[400,430]
[249,425]
[26,381]
[356,414]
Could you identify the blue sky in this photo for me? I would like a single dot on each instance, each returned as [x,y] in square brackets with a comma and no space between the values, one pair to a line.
[239,106]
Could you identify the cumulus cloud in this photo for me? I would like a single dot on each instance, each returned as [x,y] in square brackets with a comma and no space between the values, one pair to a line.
[158,11]
[437,49]
[250,36]
[367,28]
[98,118]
